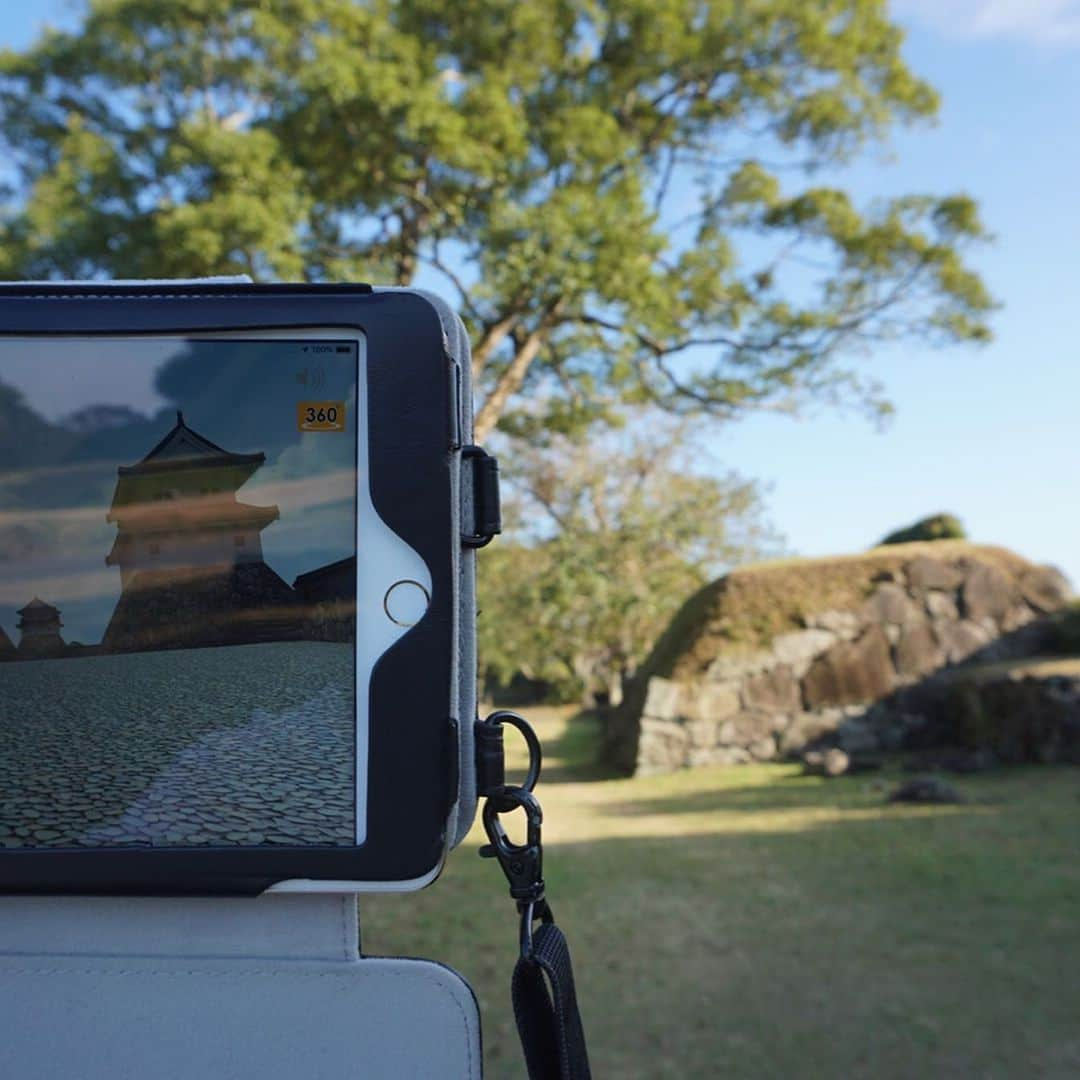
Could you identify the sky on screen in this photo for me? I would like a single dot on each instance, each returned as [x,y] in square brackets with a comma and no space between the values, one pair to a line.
[988,434]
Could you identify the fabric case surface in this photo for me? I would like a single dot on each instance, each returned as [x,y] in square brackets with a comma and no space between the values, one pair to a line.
[268,988]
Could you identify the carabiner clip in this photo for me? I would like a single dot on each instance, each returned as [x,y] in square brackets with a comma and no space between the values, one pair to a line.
[523,864]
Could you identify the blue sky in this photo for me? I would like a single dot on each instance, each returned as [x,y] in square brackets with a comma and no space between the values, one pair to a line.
[988,434]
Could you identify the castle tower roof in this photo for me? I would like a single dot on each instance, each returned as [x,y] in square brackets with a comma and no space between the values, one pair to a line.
[183,447]
[38,615]
[183,464]
[39,611]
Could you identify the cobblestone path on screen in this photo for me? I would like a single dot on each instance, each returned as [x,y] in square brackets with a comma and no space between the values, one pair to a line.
[244,745]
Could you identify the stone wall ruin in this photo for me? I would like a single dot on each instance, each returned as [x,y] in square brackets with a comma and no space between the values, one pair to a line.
[775,658]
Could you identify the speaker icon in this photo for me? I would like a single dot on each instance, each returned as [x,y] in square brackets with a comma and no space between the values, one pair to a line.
[313,377]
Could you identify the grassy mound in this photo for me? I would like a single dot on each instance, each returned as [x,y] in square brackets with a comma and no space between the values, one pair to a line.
[745,610]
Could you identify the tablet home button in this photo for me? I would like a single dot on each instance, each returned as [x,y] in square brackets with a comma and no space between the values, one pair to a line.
[405,602]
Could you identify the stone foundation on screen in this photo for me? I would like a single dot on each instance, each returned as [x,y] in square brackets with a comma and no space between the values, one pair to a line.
[773,659]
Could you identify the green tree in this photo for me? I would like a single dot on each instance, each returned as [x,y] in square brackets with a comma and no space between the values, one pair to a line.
[615,534]
[599,181]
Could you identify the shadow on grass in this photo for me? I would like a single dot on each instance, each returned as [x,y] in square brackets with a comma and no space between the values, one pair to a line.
[763,798]
[573,755]
[795,791]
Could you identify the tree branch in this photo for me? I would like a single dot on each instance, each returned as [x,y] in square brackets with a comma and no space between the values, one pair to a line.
[493,336]
[655,345]
[509,382]
[435,260]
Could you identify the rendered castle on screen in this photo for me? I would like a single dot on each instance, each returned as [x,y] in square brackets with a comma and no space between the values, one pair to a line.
[192,572]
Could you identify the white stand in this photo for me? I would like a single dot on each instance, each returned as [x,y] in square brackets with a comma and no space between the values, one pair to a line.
[220,989]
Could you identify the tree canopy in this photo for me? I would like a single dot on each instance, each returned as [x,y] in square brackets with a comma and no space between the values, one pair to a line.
[633,201]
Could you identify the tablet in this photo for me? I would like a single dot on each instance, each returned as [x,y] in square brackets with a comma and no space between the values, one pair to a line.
[230,591]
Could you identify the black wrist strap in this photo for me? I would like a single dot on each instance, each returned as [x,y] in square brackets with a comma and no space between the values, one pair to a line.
[546,1010]
[542,989]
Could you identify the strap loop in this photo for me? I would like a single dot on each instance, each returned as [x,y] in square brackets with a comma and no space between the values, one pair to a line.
[487,511]
[493,775]
[546,1010]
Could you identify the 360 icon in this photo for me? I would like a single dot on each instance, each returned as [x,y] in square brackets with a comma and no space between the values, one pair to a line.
[320,415]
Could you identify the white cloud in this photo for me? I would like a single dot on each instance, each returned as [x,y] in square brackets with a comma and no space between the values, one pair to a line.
[1047,22]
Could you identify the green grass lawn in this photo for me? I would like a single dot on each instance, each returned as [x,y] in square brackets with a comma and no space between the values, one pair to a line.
[752,922]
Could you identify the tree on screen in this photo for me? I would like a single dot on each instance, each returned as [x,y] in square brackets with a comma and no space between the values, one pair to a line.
[632,201]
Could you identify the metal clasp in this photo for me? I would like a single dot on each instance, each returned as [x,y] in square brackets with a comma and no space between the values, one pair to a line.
[522,864]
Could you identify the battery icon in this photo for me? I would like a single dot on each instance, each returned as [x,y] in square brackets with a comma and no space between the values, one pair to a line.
[343,348]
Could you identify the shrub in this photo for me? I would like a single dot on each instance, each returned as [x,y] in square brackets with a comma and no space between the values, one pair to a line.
[935,527]
[1065,630]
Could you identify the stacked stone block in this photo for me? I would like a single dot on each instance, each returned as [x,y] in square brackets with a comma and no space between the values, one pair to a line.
[825,680]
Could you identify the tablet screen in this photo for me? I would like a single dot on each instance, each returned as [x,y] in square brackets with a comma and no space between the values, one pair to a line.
[178,539]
